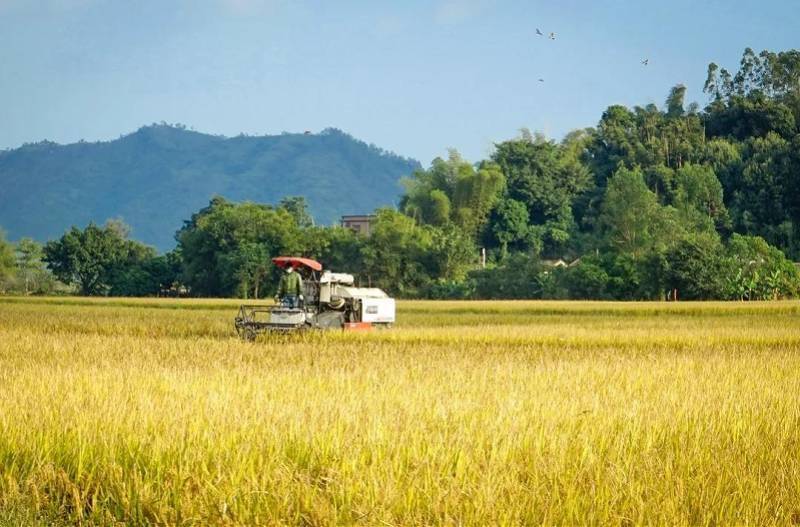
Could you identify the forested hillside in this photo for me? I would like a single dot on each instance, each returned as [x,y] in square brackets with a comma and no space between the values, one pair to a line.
[156,177]
[671,202]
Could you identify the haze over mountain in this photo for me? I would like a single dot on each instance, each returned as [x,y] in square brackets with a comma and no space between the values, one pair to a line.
[156,177]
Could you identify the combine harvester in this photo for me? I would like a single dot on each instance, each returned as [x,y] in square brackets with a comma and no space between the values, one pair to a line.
[331,301]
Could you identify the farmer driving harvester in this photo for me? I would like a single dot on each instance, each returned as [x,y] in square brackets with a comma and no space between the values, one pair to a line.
[290,288]
[332,301]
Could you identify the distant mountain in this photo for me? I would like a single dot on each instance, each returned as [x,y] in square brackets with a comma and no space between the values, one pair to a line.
[156,177]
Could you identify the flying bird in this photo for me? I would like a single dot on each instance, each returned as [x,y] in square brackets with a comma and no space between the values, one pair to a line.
[552,36]
[539,32]
[646,62]
[541,80]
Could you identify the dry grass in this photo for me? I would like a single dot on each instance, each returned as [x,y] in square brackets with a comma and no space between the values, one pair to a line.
[146,411]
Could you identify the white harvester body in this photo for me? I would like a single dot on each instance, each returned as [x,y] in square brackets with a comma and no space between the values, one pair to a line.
[373,305]
[376,306]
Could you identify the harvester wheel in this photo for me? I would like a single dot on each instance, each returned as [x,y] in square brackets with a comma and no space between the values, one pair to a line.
[249,334]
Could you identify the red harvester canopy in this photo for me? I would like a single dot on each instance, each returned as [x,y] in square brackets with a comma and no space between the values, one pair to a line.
[294,261]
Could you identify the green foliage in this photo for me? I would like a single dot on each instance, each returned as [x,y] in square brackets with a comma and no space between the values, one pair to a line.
[297,206]
[165,273]
[519,276]
[438,208]
[6,262]
[427,196]
[453,191]
[646,137]
[547,178]
[625,275]
[695,267]
[397,254]
[442,289]
[226,247]
[698,195]
[630,212]
[335,248]
[32,275]
[101,261]
[476,192]
[29,262]
[760,191]
[675,101]
[761,98]
[754,116]
[758,271]
[585,281]
[452,253]
[509,226]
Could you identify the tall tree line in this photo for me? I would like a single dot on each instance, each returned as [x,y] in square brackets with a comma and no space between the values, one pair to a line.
[653,202]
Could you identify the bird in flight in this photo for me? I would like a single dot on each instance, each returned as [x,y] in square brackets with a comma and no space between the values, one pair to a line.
[539,32]
[552,36]
[541,80]
[646,62]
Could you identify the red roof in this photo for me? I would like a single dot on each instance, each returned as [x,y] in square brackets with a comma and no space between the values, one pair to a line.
[294,261]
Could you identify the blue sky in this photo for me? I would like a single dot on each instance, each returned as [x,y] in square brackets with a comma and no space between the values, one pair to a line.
[414,77]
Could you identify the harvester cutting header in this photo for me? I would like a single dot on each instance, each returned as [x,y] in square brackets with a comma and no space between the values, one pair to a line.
[312,298]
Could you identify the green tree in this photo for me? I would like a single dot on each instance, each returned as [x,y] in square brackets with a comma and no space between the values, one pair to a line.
[84,258]
[519,276]
[226,245]
[675,101]
[661,180]
[7,262]
[586,281]
[30,267]
[336,248]
[452,253]
[476,193]
[724,157]
[758,199]
[698,193]
[695,267]
[397,254]
[758,271]
[625,274]
[297,206]
[630,212]
[618,142]
[437,211]
[130,276]
[647,137]
[540,175]
[164,272]
[762,97]
[99,260]
[509,226]
[248,265]
[453,191]
[440,180]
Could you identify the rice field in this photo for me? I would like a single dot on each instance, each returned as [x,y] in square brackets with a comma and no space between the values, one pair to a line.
[465,413]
